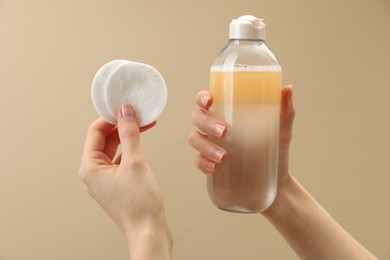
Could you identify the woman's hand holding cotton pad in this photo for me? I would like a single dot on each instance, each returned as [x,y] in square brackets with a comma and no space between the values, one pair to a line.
[125,82]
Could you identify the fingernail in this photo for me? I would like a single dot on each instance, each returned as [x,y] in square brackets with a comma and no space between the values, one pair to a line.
[218,155]
[218,129]
[211,166]
[127,111]
[205,100]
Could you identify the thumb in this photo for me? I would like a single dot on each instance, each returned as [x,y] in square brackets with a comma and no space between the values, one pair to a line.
[287,115]
[128,129]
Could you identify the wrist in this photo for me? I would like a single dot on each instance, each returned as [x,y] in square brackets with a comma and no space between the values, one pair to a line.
[289,190]
[299,218]
[149,240]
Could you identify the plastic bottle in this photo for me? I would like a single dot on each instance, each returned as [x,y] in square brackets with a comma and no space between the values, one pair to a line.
[245,83]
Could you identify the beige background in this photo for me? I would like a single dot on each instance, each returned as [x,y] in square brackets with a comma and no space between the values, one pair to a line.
[335,53]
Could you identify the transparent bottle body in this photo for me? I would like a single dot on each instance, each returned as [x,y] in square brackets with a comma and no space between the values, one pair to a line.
[245,82]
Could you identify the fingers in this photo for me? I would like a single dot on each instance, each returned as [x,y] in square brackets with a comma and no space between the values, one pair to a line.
[205,165]
[96,136]
[206,148]
[210,154]
[129,131]
[112,143]
[202,120]
[207,124]
[118,159]
[287,107]
[287,115]
[95,144]
[203,99]
[147,127]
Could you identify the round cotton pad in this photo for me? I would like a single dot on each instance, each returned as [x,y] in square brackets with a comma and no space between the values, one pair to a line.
[139,85]
[98,89]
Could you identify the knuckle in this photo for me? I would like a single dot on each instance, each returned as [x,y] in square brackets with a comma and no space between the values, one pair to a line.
[292,112]
[208,151]
[194,116]
[198,163]
[130,132]
[138,163]
[85,172]
[198,141]
[91,127]
[191,138]
[198,97]
[204,165]
[201,119]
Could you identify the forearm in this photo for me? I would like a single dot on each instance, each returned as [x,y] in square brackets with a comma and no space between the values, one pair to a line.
[150,243]
[308,228]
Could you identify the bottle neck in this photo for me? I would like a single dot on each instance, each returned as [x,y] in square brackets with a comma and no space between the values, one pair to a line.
[245,42]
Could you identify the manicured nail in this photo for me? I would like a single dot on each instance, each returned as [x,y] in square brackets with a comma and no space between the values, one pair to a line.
[218,155]
[211,166]
[205,100]
[218,129]
[127,111]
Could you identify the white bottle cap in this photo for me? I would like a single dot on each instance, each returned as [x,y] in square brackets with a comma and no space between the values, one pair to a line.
[247,27]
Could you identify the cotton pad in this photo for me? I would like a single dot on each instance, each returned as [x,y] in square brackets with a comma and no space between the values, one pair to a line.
[98,89]
[138,84]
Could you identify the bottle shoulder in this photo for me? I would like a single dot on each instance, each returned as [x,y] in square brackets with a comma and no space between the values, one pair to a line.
[251,54]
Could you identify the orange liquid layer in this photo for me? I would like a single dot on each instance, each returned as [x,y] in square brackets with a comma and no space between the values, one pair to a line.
[246,87]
